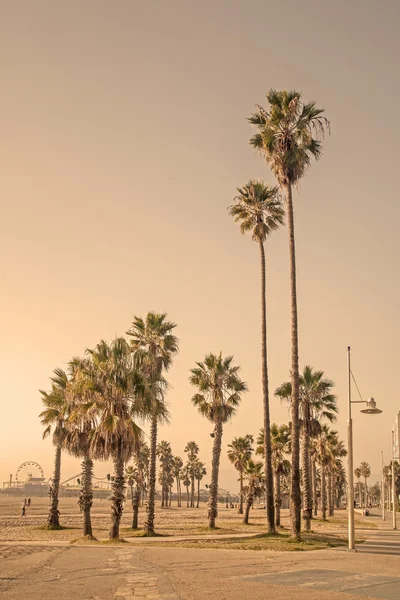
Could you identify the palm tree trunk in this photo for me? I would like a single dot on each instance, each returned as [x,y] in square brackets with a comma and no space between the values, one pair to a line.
[269,481]
[249,502]
[118,495]
[366,493]
[53,520]
[162,488]
[278,499]
[149,524]
[240,511]
[198,493]
[177,492]
[86,497]
[295,496]
[314,478]
[323,492]
[135,506]
[305,460]
[213,499]
[187,497]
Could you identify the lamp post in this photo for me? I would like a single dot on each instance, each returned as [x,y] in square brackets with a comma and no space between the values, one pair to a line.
[369,410]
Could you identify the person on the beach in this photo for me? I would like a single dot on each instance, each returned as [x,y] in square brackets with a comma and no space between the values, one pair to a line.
[29,502]
[23,509]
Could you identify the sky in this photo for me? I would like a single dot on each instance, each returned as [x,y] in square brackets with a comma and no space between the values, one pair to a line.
[124,138]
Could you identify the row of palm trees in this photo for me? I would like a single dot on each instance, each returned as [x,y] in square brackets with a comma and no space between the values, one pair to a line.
[326,473]
[364,470]
[288,137]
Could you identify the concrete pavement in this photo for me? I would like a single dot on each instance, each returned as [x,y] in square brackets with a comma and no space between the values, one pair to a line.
[37,572]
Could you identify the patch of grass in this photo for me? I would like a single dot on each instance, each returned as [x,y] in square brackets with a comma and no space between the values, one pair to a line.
[52,528]
[277,542]
[87,539]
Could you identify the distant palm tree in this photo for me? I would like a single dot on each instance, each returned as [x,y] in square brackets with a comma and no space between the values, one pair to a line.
[111,386]
[259,209]
[316,402]
[199,471]
[192,450]
[254,484]
[366,473]
[326,443]
[164,454]
[185,477]
[239,454]
[357,473]
[54,418]
[220,390]
[154,346]
[288,137]
[136,476]
[177,464]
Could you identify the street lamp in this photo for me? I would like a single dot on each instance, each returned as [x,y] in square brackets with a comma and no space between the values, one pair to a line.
[369,410]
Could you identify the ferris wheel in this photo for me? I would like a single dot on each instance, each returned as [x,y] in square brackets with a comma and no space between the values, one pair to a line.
[27,470]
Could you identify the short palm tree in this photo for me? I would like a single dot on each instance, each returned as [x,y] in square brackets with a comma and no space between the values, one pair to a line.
[366,473]
[111,389]
[239,454]
[54,417]
[316,402]
[259,209]
[154,347]
[219,394]
[177,464]
[288,137]
[280,447]
[192,451]
[254,485]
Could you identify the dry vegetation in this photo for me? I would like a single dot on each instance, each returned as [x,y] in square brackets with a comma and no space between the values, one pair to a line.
[170,524]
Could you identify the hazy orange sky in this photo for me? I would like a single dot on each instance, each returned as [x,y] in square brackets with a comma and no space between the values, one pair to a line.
[124,137]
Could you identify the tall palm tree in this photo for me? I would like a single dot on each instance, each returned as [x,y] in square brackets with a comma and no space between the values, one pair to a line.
[154,346]
[220,390]
[366,473]
[316,402]
[254,484]
[192,450]
[259,209]
[239,454]
[54,417]
[111,387]
[289,137]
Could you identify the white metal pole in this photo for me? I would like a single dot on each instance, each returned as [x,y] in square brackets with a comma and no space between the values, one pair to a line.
[350,500]
[383,490]
[393,486]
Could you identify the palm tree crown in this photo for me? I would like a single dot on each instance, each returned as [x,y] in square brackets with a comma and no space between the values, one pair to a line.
[289,135]
[258,209]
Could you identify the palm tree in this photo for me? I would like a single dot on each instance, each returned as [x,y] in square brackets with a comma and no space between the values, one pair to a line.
[365,470]
[185,477]
[288,137]
[254,479]
[357,473]
[192,450]
[280,446]
[164,453]
[154,347]
[136,475]
[326,444]
[54,417]
[259,209]
[220,389]
[199,472]
[177,464]
[316,402]
[111,387]
[239,454]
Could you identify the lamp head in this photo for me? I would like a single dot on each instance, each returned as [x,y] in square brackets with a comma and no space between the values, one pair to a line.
[371,408]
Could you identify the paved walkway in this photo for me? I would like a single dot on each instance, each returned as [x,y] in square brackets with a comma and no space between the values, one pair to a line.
[45,572]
